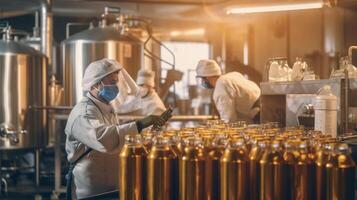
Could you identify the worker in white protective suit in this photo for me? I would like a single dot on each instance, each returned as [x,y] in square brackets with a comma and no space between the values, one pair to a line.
[94,137]
[236,98]
[150,100]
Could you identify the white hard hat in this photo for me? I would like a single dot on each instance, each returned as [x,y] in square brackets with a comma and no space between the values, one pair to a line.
[97,70]
[206,68]
[146,77]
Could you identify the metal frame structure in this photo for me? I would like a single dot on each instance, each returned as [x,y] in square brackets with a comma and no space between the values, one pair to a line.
[273,97]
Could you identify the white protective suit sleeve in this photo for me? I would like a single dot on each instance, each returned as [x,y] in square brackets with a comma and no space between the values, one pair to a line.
[225,103]
[91,130]
[152,105]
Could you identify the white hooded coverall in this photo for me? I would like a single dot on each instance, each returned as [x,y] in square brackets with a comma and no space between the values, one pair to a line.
[92,124]
[235,96]
[151,104]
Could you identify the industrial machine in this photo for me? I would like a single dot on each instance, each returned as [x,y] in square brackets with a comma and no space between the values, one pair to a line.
[290,101]
[23,76]
[106,40]
[24,83]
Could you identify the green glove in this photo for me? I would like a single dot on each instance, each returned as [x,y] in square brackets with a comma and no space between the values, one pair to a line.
[146,122]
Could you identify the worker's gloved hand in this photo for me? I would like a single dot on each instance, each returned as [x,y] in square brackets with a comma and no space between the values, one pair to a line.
[148,121]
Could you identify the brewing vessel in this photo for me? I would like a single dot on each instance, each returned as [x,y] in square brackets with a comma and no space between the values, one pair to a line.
[23,77]
[105,41]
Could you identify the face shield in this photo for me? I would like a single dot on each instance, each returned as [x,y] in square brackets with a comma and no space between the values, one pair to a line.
[128,98]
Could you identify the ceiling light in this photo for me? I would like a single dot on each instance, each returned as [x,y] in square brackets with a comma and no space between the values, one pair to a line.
[191,32]
[273,8]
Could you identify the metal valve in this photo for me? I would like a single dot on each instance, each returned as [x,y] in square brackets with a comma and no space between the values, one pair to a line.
[8,33]
[8,133]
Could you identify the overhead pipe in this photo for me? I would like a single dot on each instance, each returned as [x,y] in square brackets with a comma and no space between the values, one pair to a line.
[47,32]
[347,87]
[36,29]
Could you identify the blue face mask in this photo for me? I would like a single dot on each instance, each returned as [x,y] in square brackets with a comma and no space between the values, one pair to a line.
[205,84]
[108,92]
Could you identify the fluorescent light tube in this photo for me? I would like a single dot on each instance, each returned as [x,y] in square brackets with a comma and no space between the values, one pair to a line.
[273,8]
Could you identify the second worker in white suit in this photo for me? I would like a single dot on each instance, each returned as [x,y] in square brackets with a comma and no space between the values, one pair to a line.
[236,98]
[150,100]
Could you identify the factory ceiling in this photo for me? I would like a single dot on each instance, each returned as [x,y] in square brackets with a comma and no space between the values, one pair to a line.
[194,10]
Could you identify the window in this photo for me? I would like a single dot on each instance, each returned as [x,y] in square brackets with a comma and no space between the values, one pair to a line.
[187,55]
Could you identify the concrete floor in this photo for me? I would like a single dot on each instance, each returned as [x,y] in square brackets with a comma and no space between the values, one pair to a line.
[25,189]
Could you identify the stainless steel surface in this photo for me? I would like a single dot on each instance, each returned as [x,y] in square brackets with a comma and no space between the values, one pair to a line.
[347,137]
[51,107]
[346,98]
[174,118]
[300,87]
[23,84]
[35,42]
[294,103]
[274,103]
[136,117]
[57,147]
[350,51]
[47,29]
[37,167]
[55,92]
[82,48]
[69,25]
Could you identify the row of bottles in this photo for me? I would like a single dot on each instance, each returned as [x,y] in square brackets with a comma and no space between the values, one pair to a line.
[225,162]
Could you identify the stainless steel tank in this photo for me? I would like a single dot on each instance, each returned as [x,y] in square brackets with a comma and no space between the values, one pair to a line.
[82,48]
[35,42]
[23,79]
[55,89]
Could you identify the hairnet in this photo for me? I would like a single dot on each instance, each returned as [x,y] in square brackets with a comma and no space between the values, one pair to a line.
[207,68]
[97,70]
[146,77]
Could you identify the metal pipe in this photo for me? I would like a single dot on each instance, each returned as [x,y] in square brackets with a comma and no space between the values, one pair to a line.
[348,137]
[347,81]
[346,106]
[3,180]
[170,2]
[174,117]
[51,107]
[68,26]
[37,167]
[350,49]
[47,31]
